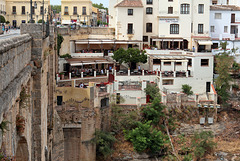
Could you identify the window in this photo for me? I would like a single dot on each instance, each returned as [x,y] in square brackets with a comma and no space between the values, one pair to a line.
[214,2]
[170,10]
[149,1]
[65,10]
[13,9]
[105,102]
[168,82]
[84,11]
[170,0]
[41,10]
[75,10]
[179,63]
[200,28]
[145,38]
[212,28]
[190,62]
[130,28]
[130,12]
[33,10]
[174,29]
[225,29]
[156,61]
[201,8]
[204,62]
[23,21]
[167,63]
[218,15]
[59,100]
[23,10]
[185,8]
[149,27]
[149,10]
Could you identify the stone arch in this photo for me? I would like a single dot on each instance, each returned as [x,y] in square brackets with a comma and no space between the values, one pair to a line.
[22,150]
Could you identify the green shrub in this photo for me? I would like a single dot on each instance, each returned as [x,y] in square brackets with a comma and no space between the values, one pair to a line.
[235,86]
[40,21]
[146,138]
[188,157]
[59,42]
[153,91]
[154,112]
[66,56]
[203,143]
[187,89]
[104,143]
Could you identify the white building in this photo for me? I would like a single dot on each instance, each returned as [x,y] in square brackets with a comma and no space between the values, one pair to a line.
[184,24]
[225,25]
[225,2]
[170,69]
[134,19]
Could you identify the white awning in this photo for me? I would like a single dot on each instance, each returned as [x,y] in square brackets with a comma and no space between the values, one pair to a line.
[205,42]
[167,39]
[88,63]
[105,42]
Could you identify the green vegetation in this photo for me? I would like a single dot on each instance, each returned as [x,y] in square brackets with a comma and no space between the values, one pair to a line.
[7,22]
[187,89]
[145,137]
[203,143]
[59,42]
[66,56]
[2,19]
[40,21]
[104,142]
[99,6]
[23,98]
[4,126]
[224,62]
[154,112]
[56,8]
[153,91]
[129,56]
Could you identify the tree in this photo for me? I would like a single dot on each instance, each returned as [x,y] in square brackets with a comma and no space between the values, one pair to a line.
[99,6]
[130,56]
[224,62]
[187,89]
[154,112]
[145,137]
[59,42]
[153,91]
[40,21]
[2,19]
[203,143]
[56,8]
[104,142]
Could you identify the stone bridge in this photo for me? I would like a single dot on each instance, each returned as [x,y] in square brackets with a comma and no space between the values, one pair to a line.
[27,84]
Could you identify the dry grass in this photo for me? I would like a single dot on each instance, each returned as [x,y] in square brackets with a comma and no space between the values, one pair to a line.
[228,146]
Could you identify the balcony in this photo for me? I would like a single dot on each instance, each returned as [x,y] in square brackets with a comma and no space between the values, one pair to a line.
[75,13]
[65,13]
[14,13]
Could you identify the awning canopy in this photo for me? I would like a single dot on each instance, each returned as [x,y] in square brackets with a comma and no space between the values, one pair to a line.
[205,42]
[167,38]
[106,42]
[87,61]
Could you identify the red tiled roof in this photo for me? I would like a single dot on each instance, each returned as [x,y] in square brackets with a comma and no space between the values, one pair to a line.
[130,3]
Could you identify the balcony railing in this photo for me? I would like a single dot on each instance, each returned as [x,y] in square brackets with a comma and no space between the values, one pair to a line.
[14,13]
[74,13]
[65,13]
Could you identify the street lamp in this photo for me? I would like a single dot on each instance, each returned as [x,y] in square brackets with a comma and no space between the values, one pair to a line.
[31,10]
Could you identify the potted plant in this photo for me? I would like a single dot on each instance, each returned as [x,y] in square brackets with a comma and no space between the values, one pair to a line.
[20,124]
[61,75]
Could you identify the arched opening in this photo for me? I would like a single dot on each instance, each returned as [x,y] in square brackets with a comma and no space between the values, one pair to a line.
[22,150]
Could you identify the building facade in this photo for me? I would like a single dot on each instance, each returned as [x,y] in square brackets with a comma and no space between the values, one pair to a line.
[184,24]
[2,8]
[225,2]
[79,11]
[18,12]
[224,25]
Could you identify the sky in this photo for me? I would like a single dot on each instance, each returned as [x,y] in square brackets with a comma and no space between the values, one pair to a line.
[104,2]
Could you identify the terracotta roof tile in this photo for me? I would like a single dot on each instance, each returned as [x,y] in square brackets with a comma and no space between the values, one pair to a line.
[225,7]
[130,3]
